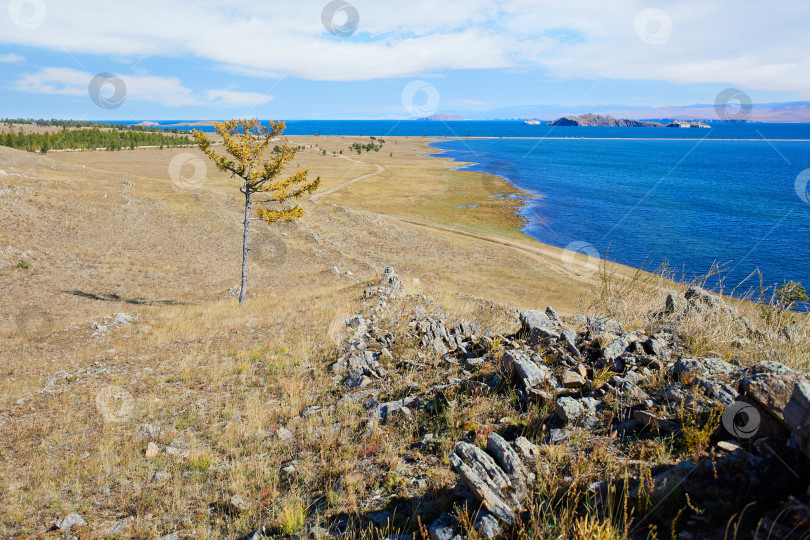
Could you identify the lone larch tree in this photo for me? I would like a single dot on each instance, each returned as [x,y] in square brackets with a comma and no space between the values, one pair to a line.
[246,142]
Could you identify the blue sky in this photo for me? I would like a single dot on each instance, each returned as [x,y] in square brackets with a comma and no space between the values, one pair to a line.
[200,59]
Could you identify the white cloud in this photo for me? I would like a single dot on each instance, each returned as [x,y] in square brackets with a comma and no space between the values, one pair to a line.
[10,58]
[762,46]
[168,91]
[230,97]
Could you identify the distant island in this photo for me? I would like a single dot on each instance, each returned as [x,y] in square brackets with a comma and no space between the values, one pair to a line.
[595,120]
[679,124]
[443,118]
[201,123]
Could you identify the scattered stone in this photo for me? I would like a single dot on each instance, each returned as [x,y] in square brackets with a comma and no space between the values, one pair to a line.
[487,525]
[122,525]
[646,418]
[152,450]
[284,434]
[538,326]
[400,408]
[604,326]
[572,410]
[67,522]
[702,299]
[615,349]
[149,432]
[441,529]
[772,390]
[240,503]
[502,492]
[686,369]
[524,369]
[572,379]
[178,447]
[161,476]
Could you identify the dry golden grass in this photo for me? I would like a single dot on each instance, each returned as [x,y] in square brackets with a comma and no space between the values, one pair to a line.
[109,232]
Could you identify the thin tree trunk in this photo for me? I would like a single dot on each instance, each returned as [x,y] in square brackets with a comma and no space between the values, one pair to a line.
[245,250]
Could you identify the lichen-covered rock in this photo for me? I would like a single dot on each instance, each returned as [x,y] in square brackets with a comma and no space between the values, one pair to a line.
[497,477]
[772,389]
[797,416]
[688,368]
[524,369]
[598,326]
[538,326]
[615,349]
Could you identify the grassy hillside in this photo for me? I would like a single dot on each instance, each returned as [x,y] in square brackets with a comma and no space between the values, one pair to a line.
[225,395]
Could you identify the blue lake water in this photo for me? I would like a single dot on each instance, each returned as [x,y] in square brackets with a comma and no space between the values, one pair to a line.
[512,128]
[716,197]
[640,202]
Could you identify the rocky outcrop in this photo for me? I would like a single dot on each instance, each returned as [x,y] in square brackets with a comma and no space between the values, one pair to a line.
[591,377]
[497,477]
[595,120]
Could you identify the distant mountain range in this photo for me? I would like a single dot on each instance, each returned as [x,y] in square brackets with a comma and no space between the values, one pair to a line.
[797,111]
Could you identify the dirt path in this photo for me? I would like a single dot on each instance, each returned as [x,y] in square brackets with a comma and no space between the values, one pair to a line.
[350,182]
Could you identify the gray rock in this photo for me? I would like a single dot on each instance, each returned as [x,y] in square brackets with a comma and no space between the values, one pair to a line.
[508,460]
[569,337]
[673,305]
[702,299]
[797,410]
[520,366]
[67,522]
[772,391]
[284,434]
[398,408]
[122,525]
[358,363]
[573,410]
[553,316]
[486,525]
[628,392]
[717,390]
[441,529]
[615,349]
[790,332]
[240,503]
[528,451]
[797,416]
[658,347]
[161,476]
[380,518]
[688,368]
[604,325]
[646,418]
[569,409]
[171,536]
[487,481]
[538,326]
